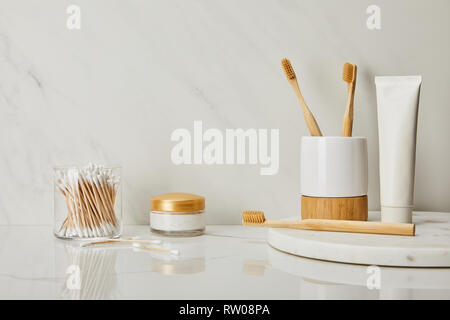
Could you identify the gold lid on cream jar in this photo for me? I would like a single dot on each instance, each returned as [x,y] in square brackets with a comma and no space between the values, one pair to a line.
[177,202]
[177,214]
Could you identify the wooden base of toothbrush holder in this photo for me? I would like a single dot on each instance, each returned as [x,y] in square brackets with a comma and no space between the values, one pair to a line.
[352,208]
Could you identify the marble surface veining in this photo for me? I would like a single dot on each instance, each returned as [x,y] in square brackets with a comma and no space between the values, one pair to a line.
[113,91]
[430,247]
[228,262]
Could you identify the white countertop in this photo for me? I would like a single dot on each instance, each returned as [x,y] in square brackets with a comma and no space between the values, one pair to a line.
[228,262]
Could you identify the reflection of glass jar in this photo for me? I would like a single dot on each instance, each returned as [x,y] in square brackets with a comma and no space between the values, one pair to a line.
[87,202]
[178,214]
[90,274]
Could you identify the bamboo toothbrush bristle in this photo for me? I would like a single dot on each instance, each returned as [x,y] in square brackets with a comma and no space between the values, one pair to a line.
[253,217]
[349,76]
[288,70]
[349,73]
[311,122]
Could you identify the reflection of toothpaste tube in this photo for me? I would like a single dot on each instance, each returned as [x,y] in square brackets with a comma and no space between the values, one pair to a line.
[398,103]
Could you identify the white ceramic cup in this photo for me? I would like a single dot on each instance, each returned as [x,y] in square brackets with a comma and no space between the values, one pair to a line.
[334,167]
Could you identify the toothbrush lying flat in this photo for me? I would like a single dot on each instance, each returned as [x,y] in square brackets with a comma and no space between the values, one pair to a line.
[313,127]
[349,76]
[257,219]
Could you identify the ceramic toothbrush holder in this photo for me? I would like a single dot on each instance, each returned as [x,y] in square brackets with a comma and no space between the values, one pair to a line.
[334,178]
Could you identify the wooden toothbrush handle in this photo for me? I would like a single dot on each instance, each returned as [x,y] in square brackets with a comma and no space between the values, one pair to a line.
[311,122]
[400,229]
[347,126]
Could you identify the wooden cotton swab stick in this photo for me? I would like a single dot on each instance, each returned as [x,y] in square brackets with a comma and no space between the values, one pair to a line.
[90,194]
[155,241]
[96,216]
[137,243]
[140,246]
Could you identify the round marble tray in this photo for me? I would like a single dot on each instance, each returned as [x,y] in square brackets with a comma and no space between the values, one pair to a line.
[320,271]
[429,248]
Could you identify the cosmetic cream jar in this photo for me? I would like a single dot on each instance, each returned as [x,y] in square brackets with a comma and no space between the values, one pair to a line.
[177,214]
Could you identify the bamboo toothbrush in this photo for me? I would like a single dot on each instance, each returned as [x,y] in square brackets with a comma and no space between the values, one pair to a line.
[313,127]
[349,76]
[257,219]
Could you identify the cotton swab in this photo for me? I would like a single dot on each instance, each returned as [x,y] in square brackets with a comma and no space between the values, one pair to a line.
[140,246]
[90,194]
[151,241]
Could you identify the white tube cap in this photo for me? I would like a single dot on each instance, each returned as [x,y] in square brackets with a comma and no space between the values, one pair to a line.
[396,214]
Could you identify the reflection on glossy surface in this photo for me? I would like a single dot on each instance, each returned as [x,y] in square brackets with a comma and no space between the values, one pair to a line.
[331,280]
[90,274]
[254,267]
[228,262]
[177,266]
[191,258]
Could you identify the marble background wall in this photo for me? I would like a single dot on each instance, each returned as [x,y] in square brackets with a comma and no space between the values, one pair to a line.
[114,91]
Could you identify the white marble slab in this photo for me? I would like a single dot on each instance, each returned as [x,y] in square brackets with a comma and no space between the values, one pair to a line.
[113,92]
[228,262]
[429,248]
[357,274]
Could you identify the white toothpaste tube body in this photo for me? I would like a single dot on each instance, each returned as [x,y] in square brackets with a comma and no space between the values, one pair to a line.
[397,105]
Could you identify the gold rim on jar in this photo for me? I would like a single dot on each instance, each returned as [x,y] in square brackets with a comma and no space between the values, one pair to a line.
[177,202]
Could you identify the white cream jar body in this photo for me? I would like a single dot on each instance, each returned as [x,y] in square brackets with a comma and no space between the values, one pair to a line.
[178,214]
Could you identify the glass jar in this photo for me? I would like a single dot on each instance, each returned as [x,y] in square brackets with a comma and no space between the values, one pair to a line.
[178,214]
[87,202]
